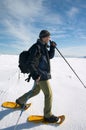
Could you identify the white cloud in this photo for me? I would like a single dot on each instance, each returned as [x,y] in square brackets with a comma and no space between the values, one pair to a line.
[72,12]
[74,50]
[50,18]
[80,33]
[23,8]
[19,30]
[83,37]
[19,18]
[23,19]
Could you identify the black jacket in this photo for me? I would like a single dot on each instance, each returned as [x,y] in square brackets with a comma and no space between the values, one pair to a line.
[39,62]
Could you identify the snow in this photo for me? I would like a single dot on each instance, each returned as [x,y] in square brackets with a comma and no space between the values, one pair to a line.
[69,96]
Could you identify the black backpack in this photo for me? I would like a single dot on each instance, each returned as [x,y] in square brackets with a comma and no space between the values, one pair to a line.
[23,57]
[24,60]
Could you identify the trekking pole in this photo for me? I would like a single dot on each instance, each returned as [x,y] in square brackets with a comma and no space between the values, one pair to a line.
[71,67]
[18,119]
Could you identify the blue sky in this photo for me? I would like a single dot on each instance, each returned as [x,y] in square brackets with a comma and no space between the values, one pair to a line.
[22,20]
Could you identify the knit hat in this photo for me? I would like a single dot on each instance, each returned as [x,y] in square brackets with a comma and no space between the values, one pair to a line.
[44,33]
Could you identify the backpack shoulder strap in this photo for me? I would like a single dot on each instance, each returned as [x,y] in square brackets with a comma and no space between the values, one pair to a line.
[36,45]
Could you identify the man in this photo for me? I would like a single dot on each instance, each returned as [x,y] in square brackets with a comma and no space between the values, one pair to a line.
[39,65]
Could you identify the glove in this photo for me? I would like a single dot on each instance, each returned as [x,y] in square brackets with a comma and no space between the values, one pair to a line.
[52,43]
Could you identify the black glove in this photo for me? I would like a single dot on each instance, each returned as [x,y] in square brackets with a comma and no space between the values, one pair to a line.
[52,43]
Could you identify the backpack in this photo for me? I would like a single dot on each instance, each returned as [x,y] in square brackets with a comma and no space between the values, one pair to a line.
[24,60]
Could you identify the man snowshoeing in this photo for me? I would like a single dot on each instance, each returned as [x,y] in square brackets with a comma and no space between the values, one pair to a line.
[39,65]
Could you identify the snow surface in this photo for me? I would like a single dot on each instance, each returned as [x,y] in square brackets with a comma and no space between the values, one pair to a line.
[69,96]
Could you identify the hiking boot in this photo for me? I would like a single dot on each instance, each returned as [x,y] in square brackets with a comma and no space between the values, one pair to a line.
[51,119]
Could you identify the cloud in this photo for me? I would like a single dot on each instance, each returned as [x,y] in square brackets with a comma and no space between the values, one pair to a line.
[53,19]
[23,9]
[80,33]
[19,30]
[19,19]
[74,50]
[22,20]
[73,12]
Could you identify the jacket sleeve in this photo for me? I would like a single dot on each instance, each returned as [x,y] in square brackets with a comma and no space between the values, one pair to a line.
[51,52]
[32,63]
